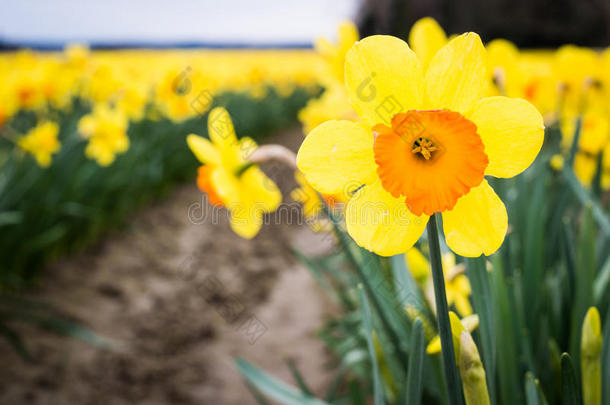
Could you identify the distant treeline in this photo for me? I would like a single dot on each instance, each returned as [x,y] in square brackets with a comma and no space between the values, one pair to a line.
[528,23]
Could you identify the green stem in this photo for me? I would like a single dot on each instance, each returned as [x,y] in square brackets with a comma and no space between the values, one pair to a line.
[585,198]
[575,140]
[442,314]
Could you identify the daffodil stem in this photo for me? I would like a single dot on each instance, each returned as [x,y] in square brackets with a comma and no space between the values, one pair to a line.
[442,314]
[575,140]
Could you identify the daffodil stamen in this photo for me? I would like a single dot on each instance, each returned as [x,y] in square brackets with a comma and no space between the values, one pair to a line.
[424,146]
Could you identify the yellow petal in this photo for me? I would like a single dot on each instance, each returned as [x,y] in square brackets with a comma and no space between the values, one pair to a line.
[426,38]
[512,131]
[203,150]
[225,185]
[245,222]
[434,346]
[477,224]
[585,167]
[456,77]
[383,77]
[260,190]
[348,34]
[418,264]
[381,223]
[247,198]
[337,155]
[220,128]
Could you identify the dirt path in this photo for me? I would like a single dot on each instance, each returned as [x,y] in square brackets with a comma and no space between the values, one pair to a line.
[184,297]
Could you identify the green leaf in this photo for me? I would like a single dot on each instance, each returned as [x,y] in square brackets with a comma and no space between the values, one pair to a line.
[606,360]
[299,378]
[10,218]
[60,326]
[409,293]
[602,281]
[257,395]
[585,259]
[586,198]
[416,363]
[531,392]
[15,340]
[368,333]
[569,383]
[274,388]
[370,273]
[483,305]
[507,335]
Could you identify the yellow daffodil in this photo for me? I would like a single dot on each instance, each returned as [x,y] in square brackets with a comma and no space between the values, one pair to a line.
[418,265]
[577,72]
[41,141]
[503,69]
[594,131]
[457,285]
[106,130]
[229,179]
[77,55]
[538,84]
[334,54]
[313,205]
[333,104]
[426,142]
[468,323]
[426,38]
[557,162]
[594,136]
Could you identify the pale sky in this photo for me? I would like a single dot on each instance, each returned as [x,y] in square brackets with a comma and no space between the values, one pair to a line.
[54,22]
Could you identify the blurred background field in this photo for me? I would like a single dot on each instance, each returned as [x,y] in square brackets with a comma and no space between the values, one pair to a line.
[103,259]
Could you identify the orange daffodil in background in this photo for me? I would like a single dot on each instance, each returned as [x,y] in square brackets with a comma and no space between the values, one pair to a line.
[229,179]
[426,142]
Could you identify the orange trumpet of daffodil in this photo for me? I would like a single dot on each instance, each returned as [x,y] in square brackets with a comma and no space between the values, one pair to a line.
[426,141]
[229,179]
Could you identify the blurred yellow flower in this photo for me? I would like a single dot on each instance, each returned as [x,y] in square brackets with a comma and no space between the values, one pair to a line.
[313,206]
[41,141]
[418,265]
[403,160]
[557,161]
[469,323]
[457,285]
[334,54]
[333,104]
[503,68]
[426,38]
[229,179]
[106,130]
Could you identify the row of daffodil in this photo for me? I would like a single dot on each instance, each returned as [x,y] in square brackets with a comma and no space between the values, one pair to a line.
[522,91]
[122,85]
[406,133]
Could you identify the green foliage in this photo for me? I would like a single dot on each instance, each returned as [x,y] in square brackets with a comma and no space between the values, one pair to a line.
[531,298]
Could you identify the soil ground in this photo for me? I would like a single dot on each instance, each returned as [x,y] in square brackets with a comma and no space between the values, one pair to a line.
[181,296]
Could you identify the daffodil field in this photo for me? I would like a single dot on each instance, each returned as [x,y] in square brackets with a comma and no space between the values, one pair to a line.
[465,184]
[88,137]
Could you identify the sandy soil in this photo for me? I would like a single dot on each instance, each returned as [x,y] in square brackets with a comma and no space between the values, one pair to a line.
[182,297]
